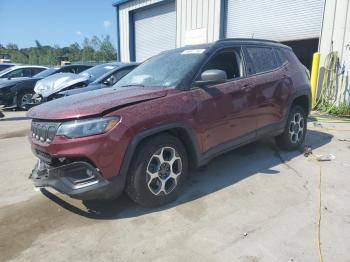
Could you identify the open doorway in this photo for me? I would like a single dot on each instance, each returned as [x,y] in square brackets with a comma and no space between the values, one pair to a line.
[304,50]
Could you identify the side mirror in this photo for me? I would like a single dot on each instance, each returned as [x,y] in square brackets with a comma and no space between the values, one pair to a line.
[212,76]
[108,81]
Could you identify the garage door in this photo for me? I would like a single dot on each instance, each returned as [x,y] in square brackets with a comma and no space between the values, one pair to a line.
[155,30]
[279,20]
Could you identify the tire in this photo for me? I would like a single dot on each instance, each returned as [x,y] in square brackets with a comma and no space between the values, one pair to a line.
[167,179]
[22,98]
[294,133]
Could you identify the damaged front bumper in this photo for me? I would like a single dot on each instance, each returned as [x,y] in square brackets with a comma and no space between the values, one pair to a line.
[35,101]
[78,180]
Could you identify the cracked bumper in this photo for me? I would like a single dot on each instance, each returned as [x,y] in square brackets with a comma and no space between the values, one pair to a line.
[78,180]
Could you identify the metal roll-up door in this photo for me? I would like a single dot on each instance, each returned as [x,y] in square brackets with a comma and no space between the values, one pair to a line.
[280,20]
[155,30]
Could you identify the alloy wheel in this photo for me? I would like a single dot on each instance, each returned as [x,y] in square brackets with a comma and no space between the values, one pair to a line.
[26,99]
[163,171]
[296,128]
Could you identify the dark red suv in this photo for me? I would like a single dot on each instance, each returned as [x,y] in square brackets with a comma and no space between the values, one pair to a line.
[176,111]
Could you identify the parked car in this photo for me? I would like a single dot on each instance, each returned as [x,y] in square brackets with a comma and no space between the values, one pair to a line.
[17,93]
[176,111]
[4,66]
[21,71]
[106,80]
[53,87]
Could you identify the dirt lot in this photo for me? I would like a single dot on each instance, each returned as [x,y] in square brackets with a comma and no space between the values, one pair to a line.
[253,204]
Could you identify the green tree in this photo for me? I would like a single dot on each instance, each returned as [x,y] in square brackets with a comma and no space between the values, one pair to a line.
[93,49]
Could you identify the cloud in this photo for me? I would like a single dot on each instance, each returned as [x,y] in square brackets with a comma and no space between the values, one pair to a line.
[79,33]
[107,24]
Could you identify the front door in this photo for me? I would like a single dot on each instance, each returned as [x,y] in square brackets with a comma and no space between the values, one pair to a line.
[226,111]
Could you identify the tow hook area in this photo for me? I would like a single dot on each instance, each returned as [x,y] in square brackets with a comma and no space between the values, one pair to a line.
[80,179]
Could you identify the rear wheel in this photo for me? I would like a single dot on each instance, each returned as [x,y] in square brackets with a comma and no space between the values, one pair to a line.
[158,171]
[294,134]
[24,98]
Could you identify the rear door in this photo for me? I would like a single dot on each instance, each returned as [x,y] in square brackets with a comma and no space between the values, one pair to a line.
[226,111]
[268,75]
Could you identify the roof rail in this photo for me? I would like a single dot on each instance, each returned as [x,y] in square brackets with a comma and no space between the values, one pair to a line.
[248,40]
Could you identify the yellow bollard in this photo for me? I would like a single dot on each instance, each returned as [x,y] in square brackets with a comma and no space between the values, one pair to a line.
[314,75]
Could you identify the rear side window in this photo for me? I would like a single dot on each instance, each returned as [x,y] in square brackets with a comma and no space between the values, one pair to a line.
[37,70]
[260,59]
[80,69]
[281,56]
[68,69]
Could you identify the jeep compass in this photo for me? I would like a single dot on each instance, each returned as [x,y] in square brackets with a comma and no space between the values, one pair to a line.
[174,112]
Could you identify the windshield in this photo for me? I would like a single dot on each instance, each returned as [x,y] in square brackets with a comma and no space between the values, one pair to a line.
[95,72]
[46,73]
[166,69]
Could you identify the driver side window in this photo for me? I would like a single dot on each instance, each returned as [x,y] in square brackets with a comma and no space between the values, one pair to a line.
[228,60]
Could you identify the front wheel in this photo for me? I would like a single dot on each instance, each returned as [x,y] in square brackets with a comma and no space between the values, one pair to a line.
[23,99]
[294,134]
[158,171]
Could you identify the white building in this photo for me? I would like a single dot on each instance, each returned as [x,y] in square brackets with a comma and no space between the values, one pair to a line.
[146,27]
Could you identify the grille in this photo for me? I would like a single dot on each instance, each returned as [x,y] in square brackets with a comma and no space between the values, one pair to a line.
[44,131]
[43,156]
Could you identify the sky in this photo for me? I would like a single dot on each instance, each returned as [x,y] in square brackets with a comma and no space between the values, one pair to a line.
[60,22]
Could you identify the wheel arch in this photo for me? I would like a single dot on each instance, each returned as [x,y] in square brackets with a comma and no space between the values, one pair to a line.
[180,130]
[302,98]
[302,101]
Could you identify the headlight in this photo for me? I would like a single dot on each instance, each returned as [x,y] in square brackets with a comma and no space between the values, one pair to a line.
[87,127]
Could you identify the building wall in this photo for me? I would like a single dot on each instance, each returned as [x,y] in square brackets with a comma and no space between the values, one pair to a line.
[197,21]
[336,37]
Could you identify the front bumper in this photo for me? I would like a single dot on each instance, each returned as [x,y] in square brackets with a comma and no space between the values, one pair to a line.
[35,101]
[78,180]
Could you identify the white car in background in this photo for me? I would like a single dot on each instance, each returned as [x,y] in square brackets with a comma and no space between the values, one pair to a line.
[18,71]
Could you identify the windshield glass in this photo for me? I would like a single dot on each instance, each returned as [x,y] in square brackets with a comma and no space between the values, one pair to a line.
[166,69]
[46,72]
[95,72]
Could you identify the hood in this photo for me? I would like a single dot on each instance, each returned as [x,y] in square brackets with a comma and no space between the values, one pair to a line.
[94,103]
[58,82]
[11,82]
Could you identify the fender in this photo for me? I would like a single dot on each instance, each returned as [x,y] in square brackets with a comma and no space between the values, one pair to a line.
[190,144]
[302,91]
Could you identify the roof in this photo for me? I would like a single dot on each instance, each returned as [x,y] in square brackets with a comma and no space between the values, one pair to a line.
[120,2]
[251,41]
